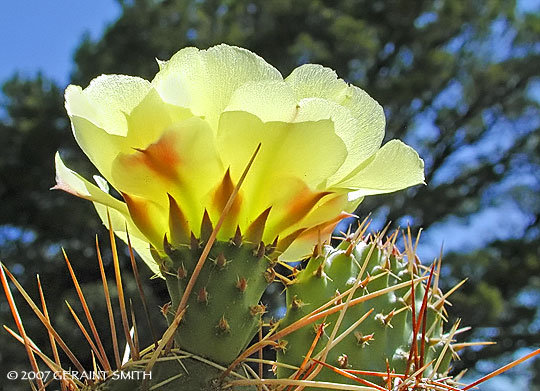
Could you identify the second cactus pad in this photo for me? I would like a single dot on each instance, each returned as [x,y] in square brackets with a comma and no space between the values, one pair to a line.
[382,341]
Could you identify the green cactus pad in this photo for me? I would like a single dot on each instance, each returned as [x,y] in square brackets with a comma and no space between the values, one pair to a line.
[383,337]
[223,312]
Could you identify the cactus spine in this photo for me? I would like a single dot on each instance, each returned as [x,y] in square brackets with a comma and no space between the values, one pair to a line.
[385,336]
[223,311]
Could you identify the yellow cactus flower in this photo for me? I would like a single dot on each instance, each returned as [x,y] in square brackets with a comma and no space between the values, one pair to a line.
[175,147]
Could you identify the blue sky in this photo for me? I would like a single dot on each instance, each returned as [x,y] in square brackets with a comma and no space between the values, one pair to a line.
[43,34]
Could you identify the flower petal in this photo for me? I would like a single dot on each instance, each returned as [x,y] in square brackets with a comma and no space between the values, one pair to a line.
[288,150]
[182,163]
[73,183]
[290,206]
[361,141]
[359,118]
[100,147]
[328,208]
[120,223]
[325,210]
[270,100]
[276,101]
[144,125]
[107,100]
[150,218]
[316,81]
[303,245]
[150,118]
[367,111]
[394,167]
[204,80]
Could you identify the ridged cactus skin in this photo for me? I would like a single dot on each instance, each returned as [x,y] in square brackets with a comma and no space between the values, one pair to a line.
[223,312]
[385,335]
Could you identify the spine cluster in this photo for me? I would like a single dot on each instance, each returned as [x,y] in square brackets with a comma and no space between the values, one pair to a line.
[379,342]
[224,310]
